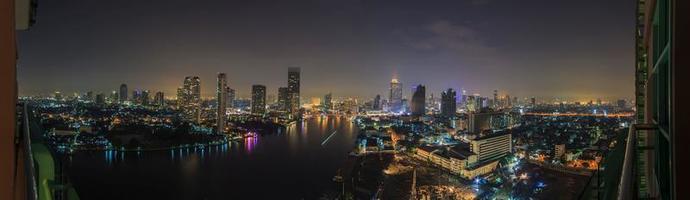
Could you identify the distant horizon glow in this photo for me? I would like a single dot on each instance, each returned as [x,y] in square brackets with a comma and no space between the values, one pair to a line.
[352,49]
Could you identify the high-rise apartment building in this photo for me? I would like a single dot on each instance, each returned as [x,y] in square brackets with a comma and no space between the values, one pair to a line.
[221,98]
[258,99]
[283,98]
[230,101]
[294,90]
[327,102]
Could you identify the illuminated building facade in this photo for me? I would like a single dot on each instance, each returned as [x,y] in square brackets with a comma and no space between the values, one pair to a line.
[294,90]
[159,99]
[327,102]
[283,98]
[258,99]
[418,104]
[221,98]
[395,100]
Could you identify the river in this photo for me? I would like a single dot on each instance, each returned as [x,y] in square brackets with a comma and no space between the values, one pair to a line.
[294,163]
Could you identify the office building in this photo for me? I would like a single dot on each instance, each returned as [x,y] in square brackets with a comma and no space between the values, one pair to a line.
[476,157]
[395,96]
[159,99]
[492,146]
[418,104]
[123,93]
[448,103]
[145,98]
[377,103]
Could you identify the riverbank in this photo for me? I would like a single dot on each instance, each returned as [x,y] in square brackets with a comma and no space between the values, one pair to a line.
[145,149]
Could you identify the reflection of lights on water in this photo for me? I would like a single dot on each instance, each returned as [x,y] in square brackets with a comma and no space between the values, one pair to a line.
[250,143]
[109,157]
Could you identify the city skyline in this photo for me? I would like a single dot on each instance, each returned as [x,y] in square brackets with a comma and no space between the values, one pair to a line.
[442,47]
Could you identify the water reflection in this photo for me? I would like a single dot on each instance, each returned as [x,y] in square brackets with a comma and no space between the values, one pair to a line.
[198,172]
[250,143]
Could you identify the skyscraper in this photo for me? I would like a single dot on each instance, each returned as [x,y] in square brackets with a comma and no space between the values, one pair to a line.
[471,103]
[221,98]
[159,99]
[196,89]
[533,101]
[448,103]
[89,96]
[123,93]
[495,103]
[145,97]
[418,103]
[136,97]
[395,96]
[190,101]
[231,97]
[181,97]
[327,102]
[283,98]
[100,99]
[114,96]
[258,99]
[377,103]
[187,89]
[192,89]
[294,89]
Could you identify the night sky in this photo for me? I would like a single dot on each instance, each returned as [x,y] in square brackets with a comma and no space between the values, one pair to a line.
[582,48]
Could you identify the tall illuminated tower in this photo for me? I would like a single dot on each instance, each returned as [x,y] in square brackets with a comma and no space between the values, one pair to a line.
[222,97]
[395,96]
[293,89]
[196,89]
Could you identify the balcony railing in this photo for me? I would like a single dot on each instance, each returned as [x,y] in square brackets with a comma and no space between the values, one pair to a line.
[628,185]
[615,178]
[42,181]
